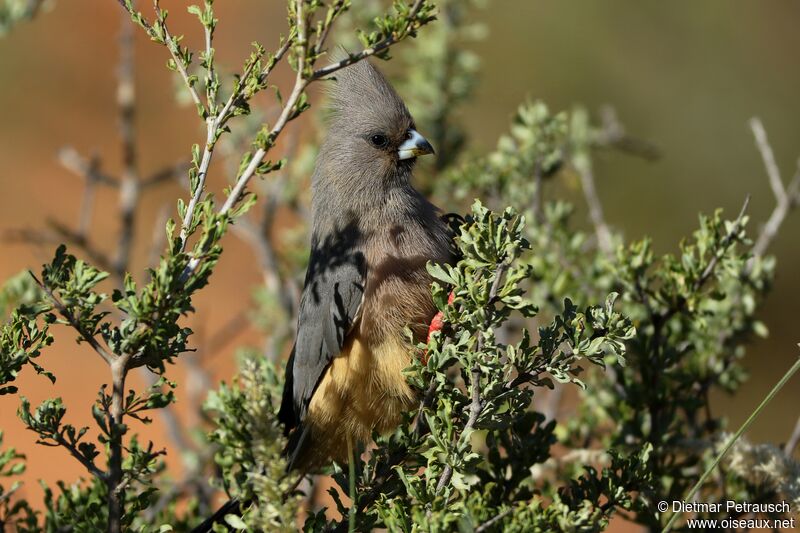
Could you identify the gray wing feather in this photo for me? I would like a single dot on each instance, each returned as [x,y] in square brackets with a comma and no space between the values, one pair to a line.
[329,306]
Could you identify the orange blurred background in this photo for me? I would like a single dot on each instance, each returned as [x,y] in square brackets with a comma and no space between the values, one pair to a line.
[687,76]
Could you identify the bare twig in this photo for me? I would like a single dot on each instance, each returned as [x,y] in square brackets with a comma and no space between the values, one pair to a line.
[259,237]
[87,169]
[165,174]
[604,241]
[786,198]
[794,440]
[129,189]
[58,234]
[770,229]
[768,156]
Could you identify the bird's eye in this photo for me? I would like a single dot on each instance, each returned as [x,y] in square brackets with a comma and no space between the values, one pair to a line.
[378,140]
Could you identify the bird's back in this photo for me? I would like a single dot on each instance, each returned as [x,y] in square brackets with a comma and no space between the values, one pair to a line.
[364,388]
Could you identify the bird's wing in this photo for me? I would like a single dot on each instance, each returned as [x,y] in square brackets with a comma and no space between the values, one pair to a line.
[454,221]
[329,307]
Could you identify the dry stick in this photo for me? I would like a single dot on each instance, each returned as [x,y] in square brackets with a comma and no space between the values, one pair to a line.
[84,168]
[58,235]
[129,185]
[786,198]
[604,241]
[782,209]
[794,440]
[768,156]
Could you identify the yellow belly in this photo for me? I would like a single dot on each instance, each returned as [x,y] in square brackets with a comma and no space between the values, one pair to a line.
[362,390]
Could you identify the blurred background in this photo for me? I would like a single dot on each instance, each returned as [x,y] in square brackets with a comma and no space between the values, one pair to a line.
[686,77]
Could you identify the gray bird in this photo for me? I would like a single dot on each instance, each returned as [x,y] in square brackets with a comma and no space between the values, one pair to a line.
[372,234]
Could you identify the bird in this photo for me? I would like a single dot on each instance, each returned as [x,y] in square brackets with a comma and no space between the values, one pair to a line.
[366,284]
[372,235]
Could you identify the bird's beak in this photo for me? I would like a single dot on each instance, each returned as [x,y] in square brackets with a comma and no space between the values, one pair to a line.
[415,145]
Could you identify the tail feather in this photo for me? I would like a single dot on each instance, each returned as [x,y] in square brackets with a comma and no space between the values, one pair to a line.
[297,449]
[233,506]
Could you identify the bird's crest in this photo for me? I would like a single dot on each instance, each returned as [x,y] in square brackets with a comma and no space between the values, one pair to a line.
[360,89]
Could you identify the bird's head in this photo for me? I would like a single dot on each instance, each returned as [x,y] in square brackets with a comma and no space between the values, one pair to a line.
[372,135]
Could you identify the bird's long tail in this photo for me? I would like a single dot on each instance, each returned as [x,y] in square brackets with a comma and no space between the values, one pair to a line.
[232,506]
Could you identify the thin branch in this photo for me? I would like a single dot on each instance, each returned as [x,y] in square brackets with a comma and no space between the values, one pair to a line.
[768,156]
[89,465]
[260,239]
[489,524]
[770,230]
[59,234]
[604,241]
[200,185]
[174,50]
[377,48]
[334,11]
[211,89]
[84,168]
[72,321]
[794,440]
[129,189]
[726,242]
[165,174]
